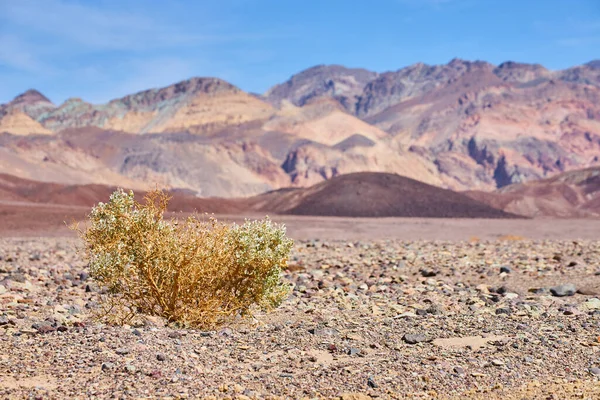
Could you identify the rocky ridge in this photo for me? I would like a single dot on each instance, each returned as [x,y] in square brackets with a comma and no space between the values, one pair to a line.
[463,125]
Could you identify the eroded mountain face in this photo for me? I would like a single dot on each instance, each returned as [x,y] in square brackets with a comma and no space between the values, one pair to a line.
[463,125]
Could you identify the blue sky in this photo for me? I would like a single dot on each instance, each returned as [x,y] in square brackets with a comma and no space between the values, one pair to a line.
[103,49]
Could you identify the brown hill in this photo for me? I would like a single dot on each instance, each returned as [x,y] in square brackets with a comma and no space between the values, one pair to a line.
[368,194]
[23,192]
[571,194]
[353,195]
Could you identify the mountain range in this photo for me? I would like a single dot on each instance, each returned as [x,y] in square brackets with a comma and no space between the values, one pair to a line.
[464,125]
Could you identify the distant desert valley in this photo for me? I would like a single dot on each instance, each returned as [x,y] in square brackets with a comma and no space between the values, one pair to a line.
[446,222]
[517,137]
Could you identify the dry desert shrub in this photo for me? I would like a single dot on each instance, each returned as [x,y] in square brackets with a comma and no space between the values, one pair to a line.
[195,272]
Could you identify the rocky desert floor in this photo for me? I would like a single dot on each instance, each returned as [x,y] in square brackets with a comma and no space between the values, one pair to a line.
[441,309]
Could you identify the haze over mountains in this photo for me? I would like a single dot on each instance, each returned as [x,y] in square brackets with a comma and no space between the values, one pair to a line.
[463,126]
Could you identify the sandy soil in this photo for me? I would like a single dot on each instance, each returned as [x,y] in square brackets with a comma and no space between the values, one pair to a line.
[27,219]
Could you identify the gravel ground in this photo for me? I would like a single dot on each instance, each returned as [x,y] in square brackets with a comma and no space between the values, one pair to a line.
[505,319]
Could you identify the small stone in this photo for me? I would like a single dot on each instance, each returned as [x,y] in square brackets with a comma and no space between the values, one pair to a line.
[325,331]
[45,329]
[122,351]
[427,273]
[459,370]
[435,309]
[595,371]
[537,290]
[107,366]
[505,269]
[3,320]
[483,288]
[161,357]
[62,328]
[497,363]
[503,310]
[563,290]
[591,304]
[414,338]
[371,383]
[511,296]
[353,351]
[131,369]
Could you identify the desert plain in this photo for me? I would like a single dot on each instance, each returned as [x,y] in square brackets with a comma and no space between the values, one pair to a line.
[379,308]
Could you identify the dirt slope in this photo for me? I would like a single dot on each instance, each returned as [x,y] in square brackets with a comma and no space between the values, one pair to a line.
[352,195]
[368,194]
[571,194]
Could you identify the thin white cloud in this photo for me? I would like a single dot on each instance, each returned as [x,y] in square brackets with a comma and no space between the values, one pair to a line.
[95,28]
[15,53]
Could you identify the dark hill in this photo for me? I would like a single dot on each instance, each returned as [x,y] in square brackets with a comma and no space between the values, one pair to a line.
[363,194]
[368,194]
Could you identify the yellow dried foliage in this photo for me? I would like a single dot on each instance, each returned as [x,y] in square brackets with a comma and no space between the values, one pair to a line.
[196,272]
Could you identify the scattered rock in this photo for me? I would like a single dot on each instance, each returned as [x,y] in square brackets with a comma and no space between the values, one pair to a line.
[108,366]
[459,370]
[131,369]
[414,338]
[371,383]
[563,290]
[591,304]
[497,363]
[428,273]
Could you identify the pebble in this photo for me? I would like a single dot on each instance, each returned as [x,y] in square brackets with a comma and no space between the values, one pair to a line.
[414,338]
[563,290]
[107,366]
[505,269]
[371,383]
[503,310]
[515,335]
[459,370]
[591,304]
[353,351]
[130,369]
